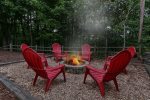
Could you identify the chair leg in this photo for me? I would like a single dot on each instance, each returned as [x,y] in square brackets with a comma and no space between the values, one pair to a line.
[64,75]
[36,76]
[85,77]
[89,60]
[28,67]
[48,83]
[116,84]
[57,60]
[46,64]
[101,88]
[125,71]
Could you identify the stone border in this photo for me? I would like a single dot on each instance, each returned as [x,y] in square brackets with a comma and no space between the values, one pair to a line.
[15,89]
[78,69]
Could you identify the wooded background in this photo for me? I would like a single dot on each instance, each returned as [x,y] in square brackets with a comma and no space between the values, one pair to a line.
[43,22]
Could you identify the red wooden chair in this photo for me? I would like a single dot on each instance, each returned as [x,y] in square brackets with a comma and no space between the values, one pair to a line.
[43,58]
[86,52]
[132,51]
[57,52]
[114,67]
[49,72]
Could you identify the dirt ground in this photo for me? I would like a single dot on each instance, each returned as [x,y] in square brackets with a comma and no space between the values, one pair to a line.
[6,56]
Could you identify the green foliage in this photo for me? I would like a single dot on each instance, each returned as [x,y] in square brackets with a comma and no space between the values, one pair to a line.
[33,21]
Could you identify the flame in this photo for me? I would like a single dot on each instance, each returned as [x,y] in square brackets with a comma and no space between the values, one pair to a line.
[75,61]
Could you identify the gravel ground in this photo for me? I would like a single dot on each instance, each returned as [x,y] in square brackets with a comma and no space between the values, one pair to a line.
[133,86]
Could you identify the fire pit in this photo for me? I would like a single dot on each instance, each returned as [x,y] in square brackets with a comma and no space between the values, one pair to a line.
[74,64]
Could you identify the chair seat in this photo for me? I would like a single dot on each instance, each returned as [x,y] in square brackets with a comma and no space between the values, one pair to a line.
[98,76]
[53,74]
[61,55]
[50,68]
[86,57]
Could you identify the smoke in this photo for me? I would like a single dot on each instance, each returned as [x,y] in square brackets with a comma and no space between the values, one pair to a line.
[89,21]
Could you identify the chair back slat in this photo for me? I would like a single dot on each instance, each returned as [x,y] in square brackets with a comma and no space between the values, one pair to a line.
[117,64]
[23,47]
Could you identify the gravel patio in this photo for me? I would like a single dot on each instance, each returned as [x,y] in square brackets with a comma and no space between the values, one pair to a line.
[133,86]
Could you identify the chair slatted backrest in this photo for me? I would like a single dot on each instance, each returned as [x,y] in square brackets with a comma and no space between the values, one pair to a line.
[117,64]
[23,48]
[36,62]
[132,50]
[56,47]
[86,50]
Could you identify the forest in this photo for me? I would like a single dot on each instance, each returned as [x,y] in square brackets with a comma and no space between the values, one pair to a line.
[72,22]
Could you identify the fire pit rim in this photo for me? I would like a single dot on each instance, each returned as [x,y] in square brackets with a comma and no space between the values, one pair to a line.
[75,66]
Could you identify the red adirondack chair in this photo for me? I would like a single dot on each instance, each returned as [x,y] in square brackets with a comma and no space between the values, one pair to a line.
[49,72]
[86,52]
[115,67]
[57,52]
[132,50]
[43,58]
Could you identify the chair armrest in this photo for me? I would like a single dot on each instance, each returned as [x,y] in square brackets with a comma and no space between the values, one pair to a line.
[65,53]
[49,68]
[89,67]
[48,56]
[60,55]
[87,54]
[90,53]
[106,64]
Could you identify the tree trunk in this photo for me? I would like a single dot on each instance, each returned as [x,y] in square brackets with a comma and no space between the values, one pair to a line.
[142,4]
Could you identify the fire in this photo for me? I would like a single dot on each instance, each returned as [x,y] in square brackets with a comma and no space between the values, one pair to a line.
[73,59]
